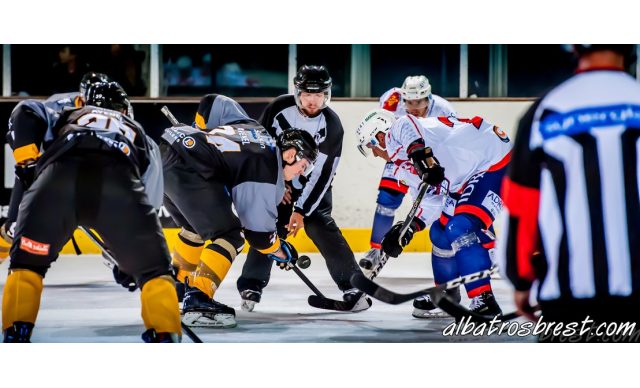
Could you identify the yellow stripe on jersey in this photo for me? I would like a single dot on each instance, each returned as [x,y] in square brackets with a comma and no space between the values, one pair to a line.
[30,151]
[200,123]
[273,248]
[21,297]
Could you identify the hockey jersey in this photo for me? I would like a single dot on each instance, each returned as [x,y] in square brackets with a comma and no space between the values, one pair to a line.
[245,158]
[463,147]
[392,101]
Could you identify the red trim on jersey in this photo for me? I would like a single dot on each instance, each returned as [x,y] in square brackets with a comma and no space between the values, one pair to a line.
[479,290]
[395,153]
[375,245]
[416,126]
[393,184]
[476,121]
[444,219]
[523,203]
[503,162]
[597,68]
[446,121]
[391,103]
[489,245]
[475,211]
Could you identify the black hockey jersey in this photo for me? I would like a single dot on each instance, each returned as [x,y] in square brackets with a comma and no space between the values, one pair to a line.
[326,129]
[245,158]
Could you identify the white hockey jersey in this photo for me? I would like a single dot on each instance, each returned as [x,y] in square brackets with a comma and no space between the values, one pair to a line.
[463,147]
[392,101]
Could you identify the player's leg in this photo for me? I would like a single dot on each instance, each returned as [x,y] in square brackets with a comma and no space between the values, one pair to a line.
[325,234]
[444,267]
[256,271]
[475,212]
[390,195]
[129,225]
[45,223]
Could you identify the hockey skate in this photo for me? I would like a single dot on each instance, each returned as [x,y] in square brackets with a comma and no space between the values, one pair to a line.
[485,304]
[18,332]
[363,301]
[152,336]
[201,311]
[423,306]
[249,299]
[370,260]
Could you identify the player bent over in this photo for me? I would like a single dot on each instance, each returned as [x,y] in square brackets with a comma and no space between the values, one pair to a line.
[414,98]
[49,111]
[91,174]
[474,155]
[232,163]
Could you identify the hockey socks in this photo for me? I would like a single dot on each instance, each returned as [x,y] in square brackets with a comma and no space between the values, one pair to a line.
[160,310]
[21,297]
[185,255]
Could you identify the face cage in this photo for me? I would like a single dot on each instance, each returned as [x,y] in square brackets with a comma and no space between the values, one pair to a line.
[327,97]
[310,164]
[364,149]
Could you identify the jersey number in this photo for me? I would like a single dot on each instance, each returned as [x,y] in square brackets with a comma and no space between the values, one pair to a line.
[222,143]
[106,123]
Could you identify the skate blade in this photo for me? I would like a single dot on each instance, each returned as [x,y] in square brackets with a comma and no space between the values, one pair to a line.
[429,314]
[220,321]
[248,305]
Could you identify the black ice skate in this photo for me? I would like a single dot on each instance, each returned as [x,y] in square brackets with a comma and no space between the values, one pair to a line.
[152,336]
[249,299]
[18,332]
[423,306]
[201,311]
[353,295]
[485,304]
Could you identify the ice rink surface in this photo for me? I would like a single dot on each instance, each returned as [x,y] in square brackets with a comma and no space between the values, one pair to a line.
[81,303]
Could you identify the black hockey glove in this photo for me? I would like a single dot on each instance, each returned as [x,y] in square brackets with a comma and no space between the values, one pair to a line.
[125,280]
[419,154]
[290,252]
[26,173]
[392,244]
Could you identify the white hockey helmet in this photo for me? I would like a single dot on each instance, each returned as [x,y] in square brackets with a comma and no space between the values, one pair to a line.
[374,122]
[416,87]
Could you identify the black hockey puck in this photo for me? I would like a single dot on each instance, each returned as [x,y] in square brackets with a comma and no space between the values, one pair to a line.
[304,262]
[366,264]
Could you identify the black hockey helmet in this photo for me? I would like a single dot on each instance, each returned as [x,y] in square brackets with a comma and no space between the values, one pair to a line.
[108,95]
[89,79]
[312,79]
[303,142]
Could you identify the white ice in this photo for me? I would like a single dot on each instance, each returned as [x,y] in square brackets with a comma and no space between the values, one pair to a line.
[82,303]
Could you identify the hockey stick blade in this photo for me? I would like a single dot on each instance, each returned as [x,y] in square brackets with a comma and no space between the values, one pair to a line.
[330,304]
[360,281]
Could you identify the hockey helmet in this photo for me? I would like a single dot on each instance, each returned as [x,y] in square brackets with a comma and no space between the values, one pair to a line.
[303,142]
[89,79]
[312,79]
[416,88]
[374,122]
[108,95]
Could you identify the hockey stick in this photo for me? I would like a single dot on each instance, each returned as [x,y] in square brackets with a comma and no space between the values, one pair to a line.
[111,262]
[388,296]
[459,312]
[169,115]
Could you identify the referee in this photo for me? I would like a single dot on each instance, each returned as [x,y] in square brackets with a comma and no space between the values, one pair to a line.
[573,219]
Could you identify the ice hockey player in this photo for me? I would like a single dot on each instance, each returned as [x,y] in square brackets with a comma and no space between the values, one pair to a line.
[101,171]
[472,155]
[223,184]
[48,111]
[415,98]
[308,200]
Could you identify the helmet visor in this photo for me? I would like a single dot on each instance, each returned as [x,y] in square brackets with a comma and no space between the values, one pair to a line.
[307,165]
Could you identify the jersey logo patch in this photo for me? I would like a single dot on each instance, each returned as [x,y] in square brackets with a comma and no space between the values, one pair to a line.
[501,134]
[189,142]
[34,247]
[391,104]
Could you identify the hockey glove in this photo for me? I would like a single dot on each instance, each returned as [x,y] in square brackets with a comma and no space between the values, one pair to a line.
[419,155]
[125,280]
[392,244]
[290,253]
[26,173]
[5,243]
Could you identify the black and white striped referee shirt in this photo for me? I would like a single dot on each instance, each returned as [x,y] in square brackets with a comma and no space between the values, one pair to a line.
[572,191]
